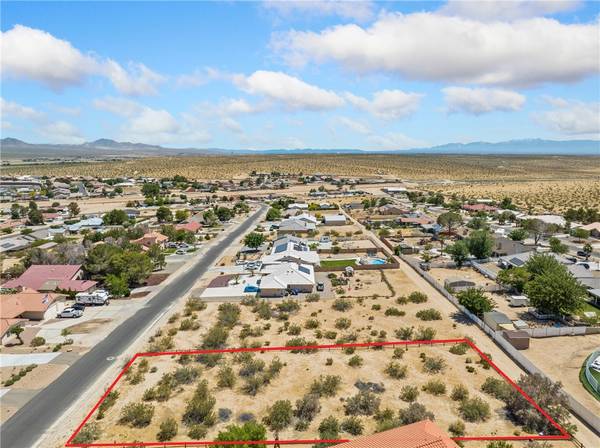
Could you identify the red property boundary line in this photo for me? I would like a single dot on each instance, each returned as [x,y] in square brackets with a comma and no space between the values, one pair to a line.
[564,435]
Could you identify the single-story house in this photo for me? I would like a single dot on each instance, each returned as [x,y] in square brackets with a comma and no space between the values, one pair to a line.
[298,206]
[479,208]
[189,226]
[415,220]
[15,243]
[150,238]
[281,277]
[394,190]
[547,219]
[52,277]
[334,220]
[593,228]
[29,304]
[518,260]
[391,209]
[288,250]
[504,246]
[293,226]
[423,434]
[132,213]
[89,223]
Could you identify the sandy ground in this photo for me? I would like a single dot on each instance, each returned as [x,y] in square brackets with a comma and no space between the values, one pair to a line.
[561,358]
[38,378]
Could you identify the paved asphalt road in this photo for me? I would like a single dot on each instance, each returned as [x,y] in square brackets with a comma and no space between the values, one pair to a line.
[30,422]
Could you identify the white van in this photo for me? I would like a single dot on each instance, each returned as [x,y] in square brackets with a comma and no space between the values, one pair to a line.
[98,297]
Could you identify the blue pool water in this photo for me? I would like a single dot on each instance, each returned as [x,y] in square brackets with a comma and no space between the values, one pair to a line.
[377,261]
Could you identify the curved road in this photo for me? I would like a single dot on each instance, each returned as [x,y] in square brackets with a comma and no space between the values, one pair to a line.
[30,422]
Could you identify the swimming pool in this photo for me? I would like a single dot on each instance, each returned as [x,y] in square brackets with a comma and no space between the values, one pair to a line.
[377,261]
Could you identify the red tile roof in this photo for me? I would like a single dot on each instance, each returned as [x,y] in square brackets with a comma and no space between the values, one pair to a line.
[13,305]
[423,434]
[39,275]
[192,226]
[76,285]
[479,208]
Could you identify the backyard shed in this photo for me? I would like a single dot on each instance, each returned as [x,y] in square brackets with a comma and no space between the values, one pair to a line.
[518,339]
[497,321]
[519,301]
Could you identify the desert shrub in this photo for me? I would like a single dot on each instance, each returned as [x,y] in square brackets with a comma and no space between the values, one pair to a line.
[457,429]
[341,305]
[226,377]
[88,434]
[363,403]
[137,415]
[459,349]
[425,334]
[330,334]
[229,314]
[107,403]
[326,386]
[329,428]
[189,324]
[250,430]
[135,377]
[288,306]
[168,430]
[248,331]
[215,338]
[429,314]
[307,407]
[162,344]
[263,310]
[38,341]
[474,409]
[355,361]
[311,324]
[199,409]
[294,330]
[343,323]
[417,297]
[415,412]
[313,297]
[505,444]
[496,388]
[194,304]
[434,387]
[251,367]
[398,353]
[409,393]
[279,415]
[392,311]
[300,342]
[459,392]
[209,360]
[376,307]
[186,375]
[197,432]
[405,333]
[434,364]
[352,425]
[396,370]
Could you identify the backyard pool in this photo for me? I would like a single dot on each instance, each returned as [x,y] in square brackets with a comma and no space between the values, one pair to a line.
[377,261]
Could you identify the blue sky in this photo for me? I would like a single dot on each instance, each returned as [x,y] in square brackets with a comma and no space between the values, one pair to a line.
[391,75]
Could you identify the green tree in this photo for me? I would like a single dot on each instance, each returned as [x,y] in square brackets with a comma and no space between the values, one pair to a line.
[516,278]
[181,215]
[134,266]
[519,234]
[157,256]
[73,209]
[224,214]
[279,416]
[587,249]
[480,244]
[249,431]
[556,291]
[163,214]
[35,216]
[17,330]
[459,252]
[150,189]
[273,214]
[475,300]
[254,239]
[506,204]
[557,246]
[117,285]
[15,211]
[449,220]
[540,263]
[210,218]
[580,234]
[115,217]
[537,228]
[98,260]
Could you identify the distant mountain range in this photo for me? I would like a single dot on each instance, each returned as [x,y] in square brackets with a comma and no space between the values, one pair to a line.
[12,148]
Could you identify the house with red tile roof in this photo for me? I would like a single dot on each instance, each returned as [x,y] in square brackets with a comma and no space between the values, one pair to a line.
[479,208]
[150,238]
[423,434]
[25,305]
[52,277]
[190,226]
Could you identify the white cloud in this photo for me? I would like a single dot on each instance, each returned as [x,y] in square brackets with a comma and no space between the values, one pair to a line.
[354,125]
[239,106]
[200,77]
[291,92]
[480,101]
[393,140]
[435,47]
[12,109]
[571,117]
[29,53]
[494,10]
[139,80]
[61,132]
[157,126]
[232,125]
[348,9]
[388,104]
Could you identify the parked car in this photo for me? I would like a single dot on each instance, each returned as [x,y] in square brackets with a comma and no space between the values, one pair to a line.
[70,313]
[320,286]
[581,253]
[181,252]
[293,292]
[78,306]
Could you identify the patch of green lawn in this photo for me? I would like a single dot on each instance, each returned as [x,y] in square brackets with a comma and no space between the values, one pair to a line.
[337,263]
[585,382]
